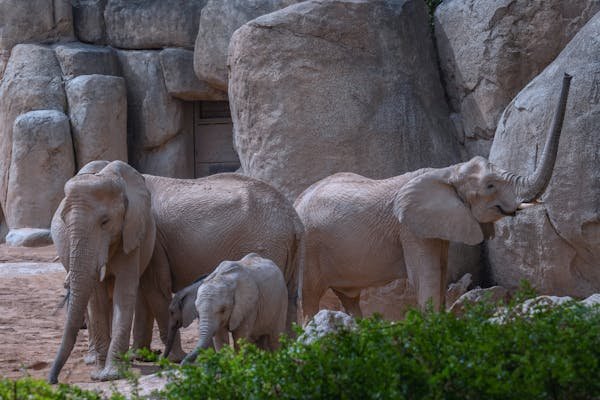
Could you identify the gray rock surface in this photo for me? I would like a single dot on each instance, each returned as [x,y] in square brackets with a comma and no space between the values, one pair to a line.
[326,322]
[98,113]
[29,237]
[41,163]
[88,20]
[218,21]
[83,59]
[182,83]
[556,246]
[490,49]
[32,81]
[152,24]
[155,118]
[491,295]
[32,20]
[360,93]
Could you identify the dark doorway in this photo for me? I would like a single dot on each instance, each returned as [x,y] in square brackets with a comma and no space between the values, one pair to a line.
[213,139]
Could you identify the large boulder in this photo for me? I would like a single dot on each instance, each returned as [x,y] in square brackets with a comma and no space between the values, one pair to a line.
[359,93]
[32,20]
[41,163]
[490,49]
[218,21]
[155,118]
[152,24]
[556,245]
[83,59]
[32,81]
[181,82]
[88,20]
[98,113]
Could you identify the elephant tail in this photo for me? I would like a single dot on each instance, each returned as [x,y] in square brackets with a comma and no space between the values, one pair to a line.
[293,275]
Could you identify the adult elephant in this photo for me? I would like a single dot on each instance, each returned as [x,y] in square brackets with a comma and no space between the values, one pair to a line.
[199,223]
[361,232]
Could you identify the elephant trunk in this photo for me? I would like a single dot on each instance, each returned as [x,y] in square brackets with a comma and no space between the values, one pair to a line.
[173,331]
[532,186]
[208,328]
[81,267]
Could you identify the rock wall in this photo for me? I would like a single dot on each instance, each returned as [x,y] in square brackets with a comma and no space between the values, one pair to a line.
[32,21]
[490,49]
[360,93]
[218,21]
[556,246]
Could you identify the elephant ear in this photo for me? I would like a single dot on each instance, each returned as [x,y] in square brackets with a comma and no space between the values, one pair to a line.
[93,167]
[137,213]
[431,208]
[245,302]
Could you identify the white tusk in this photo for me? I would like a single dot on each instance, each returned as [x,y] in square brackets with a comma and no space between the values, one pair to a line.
[102,273]
[523,206]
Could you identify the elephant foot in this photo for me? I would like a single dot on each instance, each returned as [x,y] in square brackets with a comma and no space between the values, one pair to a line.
[90,358]
[176,355]
[109,373]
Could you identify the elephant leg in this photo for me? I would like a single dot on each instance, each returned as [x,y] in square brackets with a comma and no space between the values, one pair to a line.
[426,272]
[143,323]
[351,304]
[98,325]
[159,307]
[221,339]
[126,284]
[313,288]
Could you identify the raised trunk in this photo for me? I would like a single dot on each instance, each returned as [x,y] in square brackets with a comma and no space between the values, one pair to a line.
[81,269]
[531,187]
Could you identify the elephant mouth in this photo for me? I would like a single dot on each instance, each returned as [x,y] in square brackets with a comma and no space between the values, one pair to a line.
[505,213]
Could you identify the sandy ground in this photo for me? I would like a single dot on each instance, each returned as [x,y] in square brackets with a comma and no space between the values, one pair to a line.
[31,287]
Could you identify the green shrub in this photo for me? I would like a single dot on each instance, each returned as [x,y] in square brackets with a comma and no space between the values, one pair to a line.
[553,354]
[32,389]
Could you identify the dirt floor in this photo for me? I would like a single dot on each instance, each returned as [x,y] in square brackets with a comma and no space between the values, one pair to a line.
[31,287]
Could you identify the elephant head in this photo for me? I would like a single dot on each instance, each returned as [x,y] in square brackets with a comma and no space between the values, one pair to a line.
[105,212]
[227,299]
[456,203]
[182,311]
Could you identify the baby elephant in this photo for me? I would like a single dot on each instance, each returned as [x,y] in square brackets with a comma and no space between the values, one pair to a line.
[247,298]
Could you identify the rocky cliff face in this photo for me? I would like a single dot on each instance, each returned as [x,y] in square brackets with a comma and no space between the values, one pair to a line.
[556,245]
[316,87]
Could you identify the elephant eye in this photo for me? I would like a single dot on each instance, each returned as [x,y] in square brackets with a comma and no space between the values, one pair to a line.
[490,186]
[104,221]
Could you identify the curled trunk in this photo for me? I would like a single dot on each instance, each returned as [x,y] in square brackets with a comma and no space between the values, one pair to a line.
[208,329]
[531,187]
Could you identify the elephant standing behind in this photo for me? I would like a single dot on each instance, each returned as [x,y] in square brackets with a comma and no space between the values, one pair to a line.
[362,232]
[198,222]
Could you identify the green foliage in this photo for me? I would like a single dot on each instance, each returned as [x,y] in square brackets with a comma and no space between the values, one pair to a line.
[553,354]
[32,389]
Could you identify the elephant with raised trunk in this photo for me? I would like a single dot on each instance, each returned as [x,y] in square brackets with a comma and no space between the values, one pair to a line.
[184,229]
[361,232]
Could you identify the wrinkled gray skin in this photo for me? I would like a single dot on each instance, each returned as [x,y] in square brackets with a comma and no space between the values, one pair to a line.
[247,298]
[361,232]
[199,223]
[182,312]
[104,234]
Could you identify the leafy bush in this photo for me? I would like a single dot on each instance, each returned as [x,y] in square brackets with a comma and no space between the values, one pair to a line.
[32,389]
[554,354]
